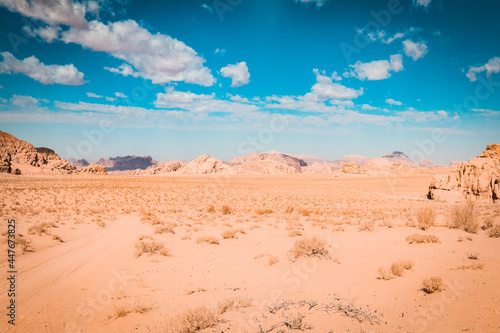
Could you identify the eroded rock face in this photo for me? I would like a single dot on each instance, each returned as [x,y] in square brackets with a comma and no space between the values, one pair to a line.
[351,168]
[160,168]
[126,162]
[17,154]
[93,169]
[269,163]
[478,178]
[205,164]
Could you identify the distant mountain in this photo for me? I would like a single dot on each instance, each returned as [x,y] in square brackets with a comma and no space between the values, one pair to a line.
[359,160]
[400,157]
[273,161]
[78,163]
[120,163]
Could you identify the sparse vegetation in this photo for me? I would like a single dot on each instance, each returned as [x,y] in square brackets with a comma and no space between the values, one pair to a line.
[208,239]
[310,247]
[495,231]
[395,270]
[230,233]
[432,285]
[226,210]
[165,228]
[367,226]
[418,239]
[426,218]
[150,246]
[463,216]
[273,260]
[473,256]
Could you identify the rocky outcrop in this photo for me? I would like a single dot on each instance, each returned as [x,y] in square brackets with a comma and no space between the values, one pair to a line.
[271,162]
[351,168]
[93,169]
[160,168]
[120,163]
[478,178]
[324,167]
[205,164]
[359,160]
[17,155]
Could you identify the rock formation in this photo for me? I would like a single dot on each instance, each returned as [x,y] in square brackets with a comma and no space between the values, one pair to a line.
[478,178]
[351,168]
[160,168]
[205,164]
[78,163]
[268,162]
[17,155]
[93,169]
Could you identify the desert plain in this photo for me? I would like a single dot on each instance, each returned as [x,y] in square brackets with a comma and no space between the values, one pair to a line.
[248,253]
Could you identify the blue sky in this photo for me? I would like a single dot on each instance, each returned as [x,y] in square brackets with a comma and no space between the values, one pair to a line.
[177,79]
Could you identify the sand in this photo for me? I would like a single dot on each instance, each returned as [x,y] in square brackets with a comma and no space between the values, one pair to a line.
[82,271]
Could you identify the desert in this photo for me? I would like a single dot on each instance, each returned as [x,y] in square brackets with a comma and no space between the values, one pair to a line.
[229,252]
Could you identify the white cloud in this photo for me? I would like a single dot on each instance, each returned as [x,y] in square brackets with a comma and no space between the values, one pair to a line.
[393,102]
[325,88]
[92,95]
[492,66]
[415,50]
[318,3]
[120,95]
[423,3]
[487,113]
[110,99]
[381,35]
[421,116]
[238,73]
[3,100]
[24,102]
[368,107]
[376,70]
[207,7]
[159,58]
[54,12]
[220,51]
[45,74]
[48,33]
[202,103]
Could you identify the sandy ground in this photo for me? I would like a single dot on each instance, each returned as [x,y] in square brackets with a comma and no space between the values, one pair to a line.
[81,271]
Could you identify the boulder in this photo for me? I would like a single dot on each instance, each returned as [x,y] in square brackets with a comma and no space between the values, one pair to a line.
[93,169]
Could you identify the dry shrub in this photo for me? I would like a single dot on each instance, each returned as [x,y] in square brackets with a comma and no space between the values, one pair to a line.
[233,303]
[230,233]
[367,226]
[150,218]
[384,274]
[289,210]
[167,227]
[39,228]
[417,238]
[426,218]
[265,211]
[226,210]
[310,247]
[57,238]
[24,244]
[193,320]
[150,246]
[273,260]
[495,231]
[396,269]
[432,285]
[473,256]
[464,217]
[211,209]
[474,266]
[208,239]
[294,233]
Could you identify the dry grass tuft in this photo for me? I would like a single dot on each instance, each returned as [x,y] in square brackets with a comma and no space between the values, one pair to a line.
[396,269]
[464,217]
[473,256]
[418,239]
[273,260]
[495,231]
[233,303]
[474,266]
[367,226]
[226,210]
[310,247]
[167,227]
[433,285]
[265,211]
[208,239]
[150,246]
[426,218]
[193,320]
[294,233]
[57,238]
[230,233]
